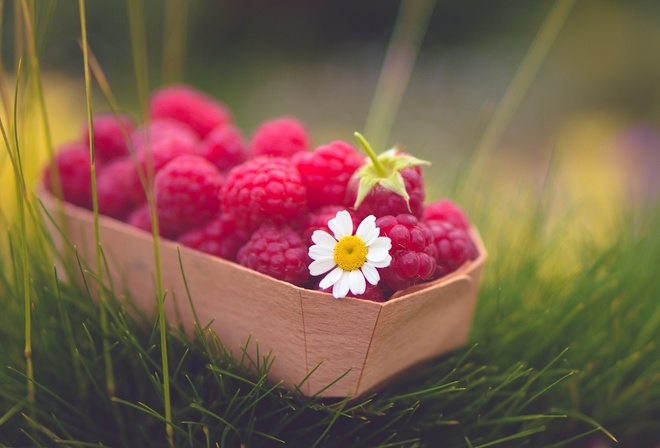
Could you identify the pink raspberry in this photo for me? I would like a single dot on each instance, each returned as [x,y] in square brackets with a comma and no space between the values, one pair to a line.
[188,105]
[327,171]
[110,136]
[219,237]
[278,251]
[381,201]
[162,129]
[453,244]
[152,157]
[187,193]
[72,163]
[413,252]
[279,137]
[446,210]
[112,187]
[224,146]
[264,188]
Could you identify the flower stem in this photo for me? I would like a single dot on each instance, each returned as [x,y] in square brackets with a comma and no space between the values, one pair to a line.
[372,154]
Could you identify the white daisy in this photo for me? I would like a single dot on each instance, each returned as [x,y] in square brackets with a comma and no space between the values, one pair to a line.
[350,258]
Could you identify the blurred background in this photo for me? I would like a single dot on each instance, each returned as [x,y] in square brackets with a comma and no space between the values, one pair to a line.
[592,110]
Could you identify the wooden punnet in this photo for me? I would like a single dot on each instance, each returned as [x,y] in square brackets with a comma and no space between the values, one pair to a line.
[354,345]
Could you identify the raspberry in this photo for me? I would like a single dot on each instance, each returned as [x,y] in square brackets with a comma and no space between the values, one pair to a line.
[277,251]
[318,220]
[326,172]
[224,146]
[264,188]
[187,193]
[453,245]
[112,185]
[381,201]
[72,163]
[110,136]
[446,210]
[279,137]
[163,128]
[183,103]
[219,237]
[413,252]
[152,157]
[390,183]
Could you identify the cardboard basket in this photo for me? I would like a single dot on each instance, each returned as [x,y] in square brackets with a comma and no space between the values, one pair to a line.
[353,345]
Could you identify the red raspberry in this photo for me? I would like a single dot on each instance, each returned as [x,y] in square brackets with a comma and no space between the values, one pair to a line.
[382,201]
[277,251]
[187,193]
[224,146]
[110,136]
[446,210]
[163,128]
[72,162]
[327,171]
[264,188]
[152,157]
[318,220]
[453,245]
[279,137]
[413,252]
[183,103]
[219,237]
[112,187]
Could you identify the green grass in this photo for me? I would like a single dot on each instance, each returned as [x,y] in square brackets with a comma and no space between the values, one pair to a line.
[553,356]
[563,347]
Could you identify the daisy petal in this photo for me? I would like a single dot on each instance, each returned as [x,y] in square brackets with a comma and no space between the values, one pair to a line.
[331,278]
[341,225]
[340,289]
[321,266]
[367,230]
[370,273]
[356,282]
[381,263]
[323,238]
[319,251]
[379,249]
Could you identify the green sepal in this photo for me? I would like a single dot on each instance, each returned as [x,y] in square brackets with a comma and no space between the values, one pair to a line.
[383,169]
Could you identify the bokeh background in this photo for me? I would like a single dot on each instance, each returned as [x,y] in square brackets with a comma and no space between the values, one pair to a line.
[593,109]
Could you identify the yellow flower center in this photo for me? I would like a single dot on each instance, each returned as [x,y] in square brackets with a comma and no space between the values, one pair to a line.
[350,253]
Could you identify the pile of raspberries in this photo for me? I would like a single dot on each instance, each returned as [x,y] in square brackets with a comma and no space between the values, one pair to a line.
[252,200]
